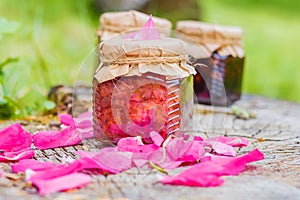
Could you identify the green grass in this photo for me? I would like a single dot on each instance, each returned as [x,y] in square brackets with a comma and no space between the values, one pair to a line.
[54,38]
[272,42]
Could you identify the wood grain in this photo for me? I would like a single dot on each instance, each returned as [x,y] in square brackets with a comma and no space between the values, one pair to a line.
[275,131]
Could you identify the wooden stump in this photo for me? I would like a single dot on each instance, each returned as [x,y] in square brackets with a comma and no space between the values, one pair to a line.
[275,131]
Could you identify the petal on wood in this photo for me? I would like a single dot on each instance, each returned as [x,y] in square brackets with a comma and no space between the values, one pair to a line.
[209,172]
[69,181]
[16,156]
[232,141]
[66,119]
[52,139]
[135,145]
[114,161]
[223,149]
[57,171]
[14,138]
[206,174]
[2,173]
[32,164]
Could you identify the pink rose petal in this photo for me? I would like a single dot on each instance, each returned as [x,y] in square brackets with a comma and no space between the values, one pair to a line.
[232,141]
[163,159]
[194,153]
[52,139]
[177,147]
[107,160]
[2,173]
[66,182]
[148,32]
[235,165]
[223,149]
[204,174]
[135,145]
[57,171]
[140,162]
[32,164]
[84,120]
[14,138]
[114,161]
[208,173]
[16,156]
[66,119]
[156,138]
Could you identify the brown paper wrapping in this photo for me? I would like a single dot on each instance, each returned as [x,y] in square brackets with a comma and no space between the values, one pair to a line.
[226,40]
[133,58]
[113,23]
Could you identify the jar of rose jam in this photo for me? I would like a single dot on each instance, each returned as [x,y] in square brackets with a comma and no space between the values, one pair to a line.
[138,88]
[220,82]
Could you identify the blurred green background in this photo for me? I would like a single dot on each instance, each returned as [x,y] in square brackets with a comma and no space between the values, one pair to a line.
[53,38]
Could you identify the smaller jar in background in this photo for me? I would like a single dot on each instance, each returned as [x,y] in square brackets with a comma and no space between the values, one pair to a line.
[114,23]
[220,82]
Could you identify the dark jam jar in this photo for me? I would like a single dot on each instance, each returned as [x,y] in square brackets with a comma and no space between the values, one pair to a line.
[219,82]
[142,86]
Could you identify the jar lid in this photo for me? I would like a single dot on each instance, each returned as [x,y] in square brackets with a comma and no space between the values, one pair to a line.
[120,48]
[127,57]
[209,32]
[227,39]
[117,22]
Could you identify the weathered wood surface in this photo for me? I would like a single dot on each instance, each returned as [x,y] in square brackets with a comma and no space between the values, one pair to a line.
[275,131]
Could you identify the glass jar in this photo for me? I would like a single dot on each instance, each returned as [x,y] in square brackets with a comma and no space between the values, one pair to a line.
[142,86]
[220,82]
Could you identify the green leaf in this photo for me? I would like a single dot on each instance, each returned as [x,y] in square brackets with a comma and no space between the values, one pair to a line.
[242,113]
[49,105]
[6,62]
[7,27]
[6,109]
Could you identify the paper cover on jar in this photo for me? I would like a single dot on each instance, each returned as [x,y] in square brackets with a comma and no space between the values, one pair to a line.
[113,23]
[226,40]
[125,57]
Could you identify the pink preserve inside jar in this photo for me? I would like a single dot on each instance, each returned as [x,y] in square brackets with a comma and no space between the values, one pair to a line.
[142,86]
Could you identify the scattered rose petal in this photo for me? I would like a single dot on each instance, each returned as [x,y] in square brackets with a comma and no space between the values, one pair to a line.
[235,165]
[204,174]
[84,124]
[16,156]
[61,183]
[84,120]
[135,145]
[2,173]
[176,147]
[194,153]
[163,160]
[57,171]
[52,139]
[108,160]
[222,149]
[32,164]
[156,138]
[66,119]
[208,173]
[232,141]
[114,161]
[14,138]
